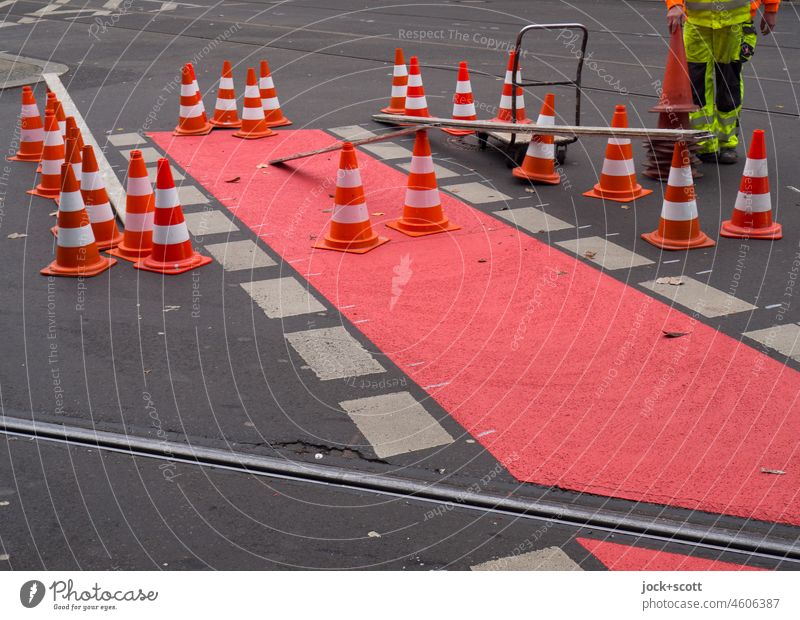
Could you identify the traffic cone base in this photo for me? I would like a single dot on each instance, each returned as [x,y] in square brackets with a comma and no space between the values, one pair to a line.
[420,228]
[129,253]
[253,135]
[204,131]
[54,269]
[357,246]
[627,195]
[173,268]
[695,238]
[548,179]
[281,122]
[731,230]
[273,115]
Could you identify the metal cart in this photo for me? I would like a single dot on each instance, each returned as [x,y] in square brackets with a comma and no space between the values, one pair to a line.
[516,144]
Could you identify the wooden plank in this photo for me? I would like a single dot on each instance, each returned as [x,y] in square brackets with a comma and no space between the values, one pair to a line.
[338,145]
[552,130]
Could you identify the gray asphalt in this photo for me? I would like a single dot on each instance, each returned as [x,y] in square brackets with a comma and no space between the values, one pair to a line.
[228,379]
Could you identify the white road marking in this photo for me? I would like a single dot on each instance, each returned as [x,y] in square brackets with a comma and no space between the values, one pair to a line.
[282,297]
[533,219]
[604,253]
[667,262]
[549,559]
[785,339]
[209,223]
[352,132]
[126,139]
[436,385]
[772,306]
[149,154]
[700,273]
[332,353]
[190,195]
[238,255]
[395,424]
[387,150]
[477,193]
[441,171]
[584,226]
[700,297]
[116,194]
[153,172]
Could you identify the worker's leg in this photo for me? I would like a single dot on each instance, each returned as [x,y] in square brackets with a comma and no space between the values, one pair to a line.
[729,84]
[699,43]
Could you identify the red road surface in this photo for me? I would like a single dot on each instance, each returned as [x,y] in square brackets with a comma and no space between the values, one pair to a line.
[559,370]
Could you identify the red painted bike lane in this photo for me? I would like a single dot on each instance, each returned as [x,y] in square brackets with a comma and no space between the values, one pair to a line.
[560,371]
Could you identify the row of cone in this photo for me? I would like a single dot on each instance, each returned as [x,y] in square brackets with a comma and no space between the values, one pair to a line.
[261,109]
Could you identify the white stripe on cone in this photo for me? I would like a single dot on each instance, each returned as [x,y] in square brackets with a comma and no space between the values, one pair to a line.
[251,92]
[464,109]
[187,90]
[226,83]
[541,150]
[348,178]
[75,237]
[139,186]
[52,166]
[252,114]
[169,235]
[753,203]
[680,177]
[29,110]
[463,87]
[399,91]
[415,80]
[225,105]
[270,103]
[618,167]
[100,213]
[350,214]
[266,82]
[91,181]
[421,164]
[679,211]
[53,138]
[166,198]
[70,202]
[139,222]
[400,71]
[756,168]
[422,198]
[191,111]
[619,141]
[416,103]
[32,135]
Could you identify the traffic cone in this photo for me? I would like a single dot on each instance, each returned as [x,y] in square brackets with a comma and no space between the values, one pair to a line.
[50,106]
[422,212]
[191,117]
[172,250]
[351,230]
[504,113]
[416,104]
[61,117]
[76,251]
[269,98]
[225,112]
[31,132]
[752,212]
[196,89]
[618,178]
[463,103]
[679,227]
[397,103]
[93,190]
[52,157]
[253,123]
[72,153]
[137,240]
[72,125]
[676,88]
[539,163]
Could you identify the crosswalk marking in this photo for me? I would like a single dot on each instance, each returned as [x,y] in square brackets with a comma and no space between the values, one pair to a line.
[533,220]
[785,339]
[477,193]
[550,558]
[238,255]
[209,222]
[332,353]
[282,297]
[699,297]
[604,253]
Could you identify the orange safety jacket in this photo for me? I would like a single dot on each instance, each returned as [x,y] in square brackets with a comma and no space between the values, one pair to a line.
[770,6]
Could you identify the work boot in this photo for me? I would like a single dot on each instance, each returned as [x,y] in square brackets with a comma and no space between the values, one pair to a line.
[728,156]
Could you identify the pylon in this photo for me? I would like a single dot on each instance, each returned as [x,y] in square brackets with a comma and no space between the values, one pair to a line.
[416,104]
[61,117]
[52,157]
[76,251]
[269,98]
[172,249]
[72,153]
[463,103]
[31,132]
[618,178]
[422,212]
[539,163]
[397,103]
[196,89]
[137,240]
[351,230]
[50,105]
[225,112]
[191,117]
[504,112]
[253,123]
[93,191]
[679,227]
[72,125]
[752,212]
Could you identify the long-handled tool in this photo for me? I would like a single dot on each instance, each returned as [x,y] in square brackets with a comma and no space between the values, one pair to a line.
[338,145]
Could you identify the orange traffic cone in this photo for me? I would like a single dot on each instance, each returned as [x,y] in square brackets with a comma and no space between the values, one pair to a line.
[72,153]
[351,230]
[61,117]
[172,250]
[93,190]
[253,123]
[679,228]
[422,212]
[76,251]
[269,98]
[72,125]
[752,213]
[676,89]
[225,113]
[618,178]
[137,240]
[504,113]
[31,132]
[52,157]
[191,117]
[397,103]
[463,103]
[196,89]
[416,104]
[50,106]
[539,163]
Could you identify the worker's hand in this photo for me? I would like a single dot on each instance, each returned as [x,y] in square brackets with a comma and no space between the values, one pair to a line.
[676,16]
[768,22]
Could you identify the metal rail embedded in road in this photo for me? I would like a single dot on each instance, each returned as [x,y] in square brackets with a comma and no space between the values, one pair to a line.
[660,528]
